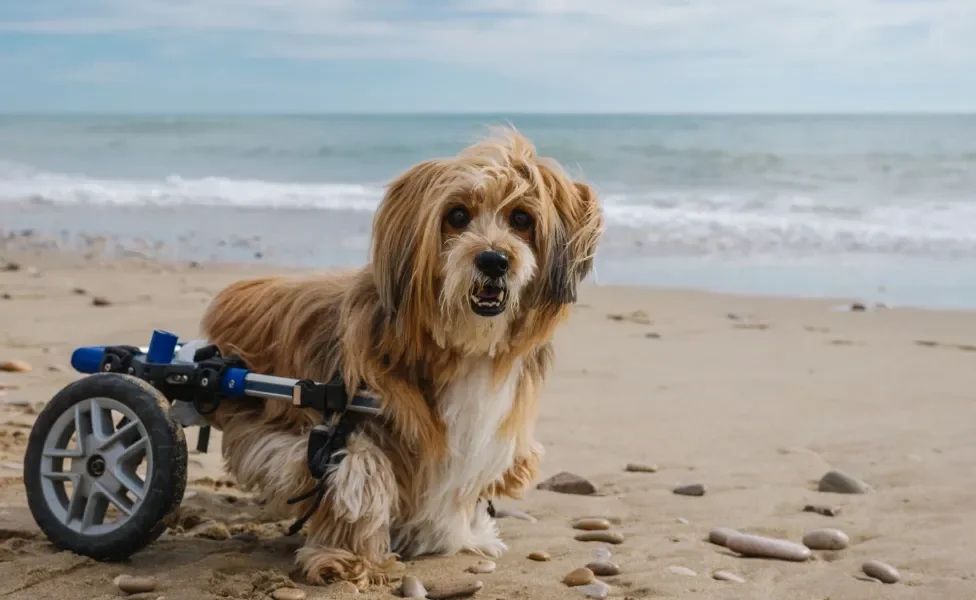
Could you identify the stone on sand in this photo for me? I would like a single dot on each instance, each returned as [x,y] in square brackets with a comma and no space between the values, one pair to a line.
[568,483]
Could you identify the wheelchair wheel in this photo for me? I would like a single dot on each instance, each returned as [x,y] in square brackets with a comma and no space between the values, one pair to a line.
[105,465]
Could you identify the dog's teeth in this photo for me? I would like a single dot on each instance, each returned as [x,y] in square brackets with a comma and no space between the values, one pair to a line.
[501,295]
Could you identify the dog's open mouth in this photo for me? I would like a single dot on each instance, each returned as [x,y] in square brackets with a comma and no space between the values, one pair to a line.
[488,300]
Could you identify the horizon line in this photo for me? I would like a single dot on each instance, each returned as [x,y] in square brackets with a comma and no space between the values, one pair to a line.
[479,113]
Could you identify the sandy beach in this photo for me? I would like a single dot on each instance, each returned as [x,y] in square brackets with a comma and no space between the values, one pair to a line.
[756,398]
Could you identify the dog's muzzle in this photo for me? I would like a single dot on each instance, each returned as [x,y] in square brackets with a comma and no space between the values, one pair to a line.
[488,297]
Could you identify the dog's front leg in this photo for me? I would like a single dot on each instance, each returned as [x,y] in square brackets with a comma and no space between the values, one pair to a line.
[349,534]
[519,476]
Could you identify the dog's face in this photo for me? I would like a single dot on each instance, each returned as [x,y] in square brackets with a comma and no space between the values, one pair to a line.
[472,248]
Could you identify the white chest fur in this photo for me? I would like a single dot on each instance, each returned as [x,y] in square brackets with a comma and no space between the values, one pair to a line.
[473,408]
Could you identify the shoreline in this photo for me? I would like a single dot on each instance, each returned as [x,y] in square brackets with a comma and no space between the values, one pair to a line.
[758,278]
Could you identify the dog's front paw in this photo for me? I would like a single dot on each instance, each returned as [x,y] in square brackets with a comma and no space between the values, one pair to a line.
[488,548]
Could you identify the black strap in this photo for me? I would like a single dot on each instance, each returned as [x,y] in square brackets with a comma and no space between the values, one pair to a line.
[324,444]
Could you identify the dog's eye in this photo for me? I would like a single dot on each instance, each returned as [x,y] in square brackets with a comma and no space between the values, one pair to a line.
[458,217]
[521,220]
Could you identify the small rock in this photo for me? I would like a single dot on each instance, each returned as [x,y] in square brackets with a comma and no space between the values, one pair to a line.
[567,483]
[539,556]
[6,296]
[211,530]
[16,366]
[578,577]
[347,587]
[33,272]
[502,513]
[79,291]
[827,511]
[881,571]
[601,554]
[727,576]
[411,587]
[755,545]
[681,521]
[591,524]
[842,483]
[100,301]
[459,590]
[288,593]
[11,266]
[482,567]
[640,468]
[604,568]
[858,307]
[609,537]
[597,590]
[693,489]
[826,539]
[131,584]
[678,570]
[55,368]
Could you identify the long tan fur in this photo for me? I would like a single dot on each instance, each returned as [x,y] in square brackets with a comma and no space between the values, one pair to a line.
[459,391]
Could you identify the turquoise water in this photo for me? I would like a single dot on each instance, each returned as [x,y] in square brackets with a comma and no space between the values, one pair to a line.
[804,205]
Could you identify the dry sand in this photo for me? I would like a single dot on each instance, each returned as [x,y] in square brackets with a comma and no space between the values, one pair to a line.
[754,397]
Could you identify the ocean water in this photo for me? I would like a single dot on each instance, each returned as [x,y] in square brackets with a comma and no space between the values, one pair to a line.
[878,208]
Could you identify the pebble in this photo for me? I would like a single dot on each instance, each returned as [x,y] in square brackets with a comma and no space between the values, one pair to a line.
[539,556]
[411,587]
[482,567]
[841,483]
[693,489]
[881,571]
[347,587]
[681,521]
[11,266]
[604,568]
[100,301]
[610,537]
[501,513]
[55,368]
[640,468]
[727,576]
[597,589]
[461,590]
[16,366]
[79,291]
[601,554]
[131,584]
[720,535]
[568,483]
[578,577]
[211,530]
[827,511]
[591,524]
[288,593]
[678,570]
[826,539]
[755,545]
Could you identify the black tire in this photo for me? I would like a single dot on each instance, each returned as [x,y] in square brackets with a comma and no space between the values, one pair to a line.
[167,481]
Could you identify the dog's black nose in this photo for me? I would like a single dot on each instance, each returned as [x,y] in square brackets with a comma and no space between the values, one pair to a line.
[491,263]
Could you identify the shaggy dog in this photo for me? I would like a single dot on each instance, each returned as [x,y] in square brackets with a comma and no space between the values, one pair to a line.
[475,261]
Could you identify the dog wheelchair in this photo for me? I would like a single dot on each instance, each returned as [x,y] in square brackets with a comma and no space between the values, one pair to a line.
[106,459]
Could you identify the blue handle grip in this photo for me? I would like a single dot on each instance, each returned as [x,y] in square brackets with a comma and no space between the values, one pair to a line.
[87,359]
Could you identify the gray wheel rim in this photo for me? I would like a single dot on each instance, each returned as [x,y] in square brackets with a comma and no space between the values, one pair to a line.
[111,443]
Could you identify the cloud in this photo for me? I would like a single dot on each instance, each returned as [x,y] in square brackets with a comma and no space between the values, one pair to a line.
[702,39]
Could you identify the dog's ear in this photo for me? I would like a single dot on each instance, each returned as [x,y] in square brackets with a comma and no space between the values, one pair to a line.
[571,242]
[402,228]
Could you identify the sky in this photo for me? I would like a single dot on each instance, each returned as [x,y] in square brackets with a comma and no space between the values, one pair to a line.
[492,56]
